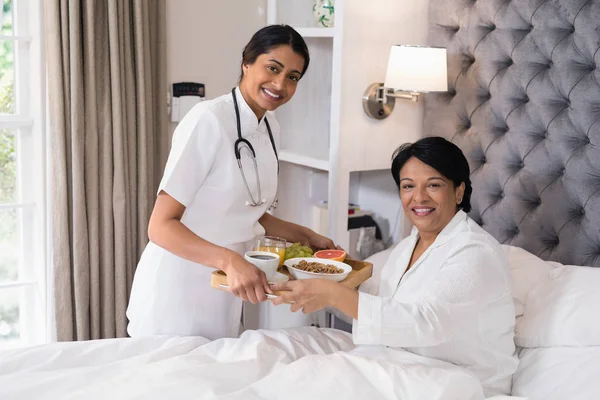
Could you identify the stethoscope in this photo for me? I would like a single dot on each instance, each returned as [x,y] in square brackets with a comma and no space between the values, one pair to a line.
[243,143]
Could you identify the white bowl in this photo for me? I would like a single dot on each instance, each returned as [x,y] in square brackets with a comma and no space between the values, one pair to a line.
[300,274]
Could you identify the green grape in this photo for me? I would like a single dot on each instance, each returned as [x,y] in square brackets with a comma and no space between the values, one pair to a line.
[298,250]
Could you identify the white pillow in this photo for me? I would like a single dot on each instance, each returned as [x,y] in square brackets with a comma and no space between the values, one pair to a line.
[527,271]
[379,259]
[562,310]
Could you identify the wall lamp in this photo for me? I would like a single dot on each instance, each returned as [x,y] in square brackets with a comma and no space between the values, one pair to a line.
[411,70]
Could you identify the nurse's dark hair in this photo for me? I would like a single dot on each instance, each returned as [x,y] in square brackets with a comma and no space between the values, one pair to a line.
[441,155]
[269,37]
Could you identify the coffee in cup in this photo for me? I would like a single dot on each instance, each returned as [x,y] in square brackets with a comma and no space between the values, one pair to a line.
[264,260]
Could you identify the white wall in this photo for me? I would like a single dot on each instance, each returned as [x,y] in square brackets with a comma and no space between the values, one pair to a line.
[205,39]
[377,192]
[375,25]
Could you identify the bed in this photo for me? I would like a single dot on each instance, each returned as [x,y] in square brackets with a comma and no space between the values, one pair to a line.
[524,105]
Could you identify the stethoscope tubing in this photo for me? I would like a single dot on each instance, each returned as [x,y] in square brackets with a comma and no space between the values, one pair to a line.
[237,152]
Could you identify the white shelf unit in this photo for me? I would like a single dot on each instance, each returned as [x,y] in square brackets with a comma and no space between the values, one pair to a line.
[305,161]
[306,119]
[330,150]
[325,135]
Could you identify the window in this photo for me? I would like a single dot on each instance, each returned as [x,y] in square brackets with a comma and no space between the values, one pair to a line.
[23,225]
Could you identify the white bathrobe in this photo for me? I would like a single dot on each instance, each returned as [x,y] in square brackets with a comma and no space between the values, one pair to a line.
[454,304]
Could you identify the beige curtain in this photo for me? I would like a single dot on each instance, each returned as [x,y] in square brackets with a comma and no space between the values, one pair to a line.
[109,140]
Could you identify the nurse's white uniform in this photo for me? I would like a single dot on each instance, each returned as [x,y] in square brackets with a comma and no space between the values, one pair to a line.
[173,296]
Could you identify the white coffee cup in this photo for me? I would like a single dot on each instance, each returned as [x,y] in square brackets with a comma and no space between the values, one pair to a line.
[264,260]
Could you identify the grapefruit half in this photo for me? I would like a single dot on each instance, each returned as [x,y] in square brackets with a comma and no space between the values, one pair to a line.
[337,255]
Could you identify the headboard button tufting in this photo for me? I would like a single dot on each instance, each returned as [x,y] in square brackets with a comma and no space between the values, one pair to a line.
[544,78]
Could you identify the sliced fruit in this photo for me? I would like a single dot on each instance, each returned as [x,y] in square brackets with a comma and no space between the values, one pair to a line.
[337,255]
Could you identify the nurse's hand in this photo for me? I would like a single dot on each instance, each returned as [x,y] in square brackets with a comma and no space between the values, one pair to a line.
[245,280]
[320,242]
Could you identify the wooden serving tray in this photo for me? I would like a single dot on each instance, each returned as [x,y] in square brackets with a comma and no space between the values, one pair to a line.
[361,271]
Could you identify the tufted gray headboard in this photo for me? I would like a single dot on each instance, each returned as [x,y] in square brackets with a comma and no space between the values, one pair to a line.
[524,105]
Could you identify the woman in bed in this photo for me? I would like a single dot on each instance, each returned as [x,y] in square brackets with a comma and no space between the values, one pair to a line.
[444,292]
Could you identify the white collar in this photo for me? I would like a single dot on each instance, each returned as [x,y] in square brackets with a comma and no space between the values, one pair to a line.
[249,122]
[392,275]
[448,232]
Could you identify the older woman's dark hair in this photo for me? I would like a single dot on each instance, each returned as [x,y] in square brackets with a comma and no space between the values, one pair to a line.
[269,37]
[443,156]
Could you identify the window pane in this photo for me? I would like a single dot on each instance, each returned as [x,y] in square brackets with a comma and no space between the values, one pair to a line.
[9,245]
[7,77]
[6,17]
[8,167]
[10,315]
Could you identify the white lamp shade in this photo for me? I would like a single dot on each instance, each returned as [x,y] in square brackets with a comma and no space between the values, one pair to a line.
[417,69]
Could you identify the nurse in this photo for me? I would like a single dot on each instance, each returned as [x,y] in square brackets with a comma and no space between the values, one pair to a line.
[219,181]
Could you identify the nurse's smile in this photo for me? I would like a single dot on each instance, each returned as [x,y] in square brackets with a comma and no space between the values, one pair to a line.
[272,95]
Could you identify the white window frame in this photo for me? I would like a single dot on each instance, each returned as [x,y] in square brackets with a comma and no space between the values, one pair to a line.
[29,125]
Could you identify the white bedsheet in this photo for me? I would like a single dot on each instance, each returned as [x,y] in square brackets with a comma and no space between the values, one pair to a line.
[291,364]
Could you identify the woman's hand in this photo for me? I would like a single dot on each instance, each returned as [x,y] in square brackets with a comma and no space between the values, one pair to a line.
[245,280]
[308,295]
